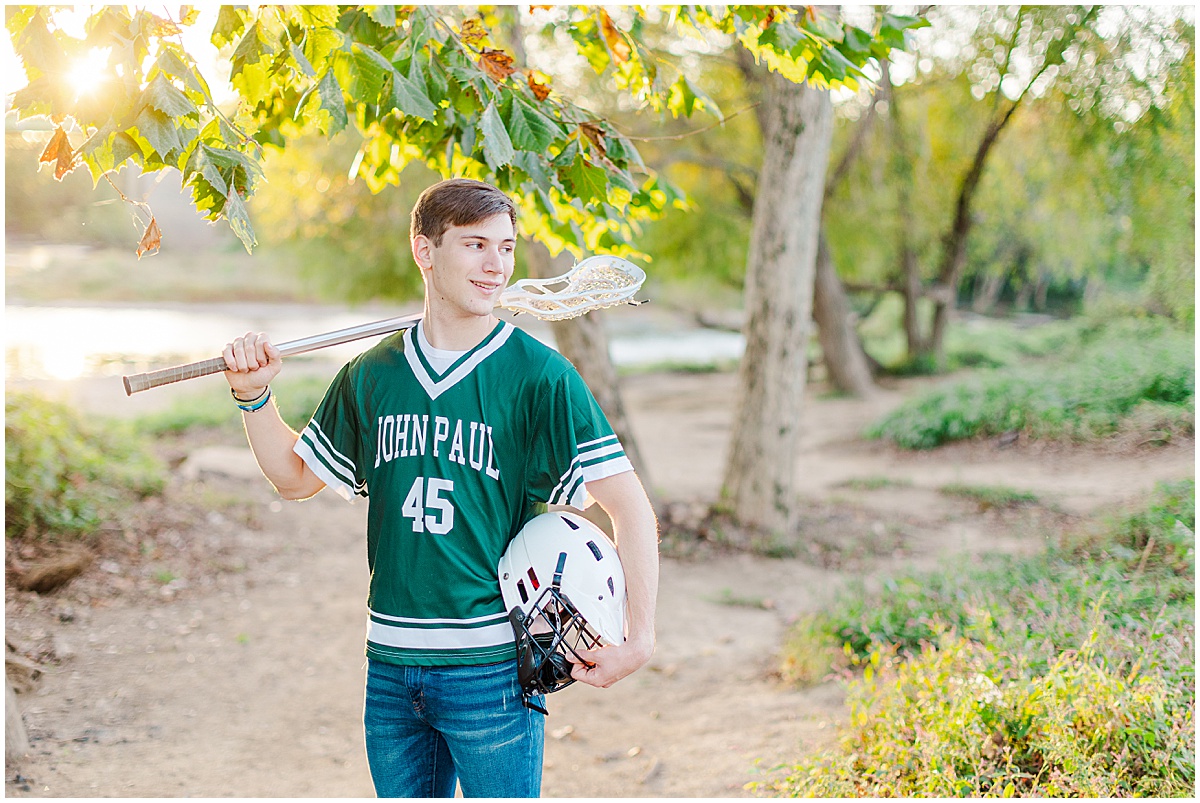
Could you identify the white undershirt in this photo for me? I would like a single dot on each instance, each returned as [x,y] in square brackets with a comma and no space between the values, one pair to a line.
[439,359]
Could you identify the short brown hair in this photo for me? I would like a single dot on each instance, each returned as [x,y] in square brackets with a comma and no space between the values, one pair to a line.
[458,202]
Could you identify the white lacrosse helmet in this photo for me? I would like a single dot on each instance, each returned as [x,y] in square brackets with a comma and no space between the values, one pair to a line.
[564,589]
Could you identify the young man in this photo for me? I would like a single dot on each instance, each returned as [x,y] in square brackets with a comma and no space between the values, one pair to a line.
[459,429]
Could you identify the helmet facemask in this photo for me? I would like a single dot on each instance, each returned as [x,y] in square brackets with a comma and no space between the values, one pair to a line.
[548,638]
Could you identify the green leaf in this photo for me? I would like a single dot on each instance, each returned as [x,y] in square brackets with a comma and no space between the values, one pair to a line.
[159,130]
[368,72]
[251,49]
[229,26]
[590,183]
[170,63]
[239,220]
[782,35]
[302,61]
[534,165]
[161,94]
[409,96]
[529,129]
[320,44]
[332,101]
[825,27]
[108,152]
[383,15]
[319,16]
[40,52]
[497,146]
[857,40]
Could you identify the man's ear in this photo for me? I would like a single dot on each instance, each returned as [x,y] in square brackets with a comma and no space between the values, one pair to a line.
[422,251]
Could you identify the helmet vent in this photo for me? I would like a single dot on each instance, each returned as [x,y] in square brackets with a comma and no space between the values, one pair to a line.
[521,590]
[533,578]
[595,550]
[611,589]
[570,523]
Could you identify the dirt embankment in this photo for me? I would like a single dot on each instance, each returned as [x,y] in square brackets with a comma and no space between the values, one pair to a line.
[215,649]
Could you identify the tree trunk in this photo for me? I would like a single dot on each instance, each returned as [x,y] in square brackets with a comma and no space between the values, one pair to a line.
[987,291]
[842,351]
[902,171]
[760,473]
[584,342]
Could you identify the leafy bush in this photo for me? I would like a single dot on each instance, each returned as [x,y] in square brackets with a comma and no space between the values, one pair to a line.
[1083,394]
[62,474]
[960,720]
[1076,666]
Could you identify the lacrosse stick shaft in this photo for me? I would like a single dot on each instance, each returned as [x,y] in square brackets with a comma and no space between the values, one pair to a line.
[596,283]
[153,379]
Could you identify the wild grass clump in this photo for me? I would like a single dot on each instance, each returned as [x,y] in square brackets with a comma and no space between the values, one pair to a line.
[1084,393]
[64,474]
[1068,673]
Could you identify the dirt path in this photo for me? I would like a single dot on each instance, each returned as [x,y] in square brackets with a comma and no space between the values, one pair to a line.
[246,679]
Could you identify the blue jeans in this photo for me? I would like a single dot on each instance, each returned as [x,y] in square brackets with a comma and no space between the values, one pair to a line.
[429,726]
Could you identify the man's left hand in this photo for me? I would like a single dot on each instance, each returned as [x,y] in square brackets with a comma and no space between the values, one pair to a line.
[611,663]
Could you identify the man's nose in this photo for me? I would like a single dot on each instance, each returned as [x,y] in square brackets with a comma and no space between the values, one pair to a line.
[494,262]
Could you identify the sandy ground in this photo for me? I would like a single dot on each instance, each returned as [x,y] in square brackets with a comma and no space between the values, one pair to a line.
[243,676]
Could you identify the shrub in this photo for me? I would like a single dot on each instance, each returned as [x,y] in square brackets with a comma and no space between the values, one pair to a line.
[960,720]
[1068,673]
[63,474]
[1084,394]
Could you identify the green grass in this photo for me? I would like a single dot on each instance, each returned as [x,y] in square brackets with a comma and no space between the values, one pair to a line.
[877,483]
[1067,673]
[64,474]
[991,496]
[1116,374]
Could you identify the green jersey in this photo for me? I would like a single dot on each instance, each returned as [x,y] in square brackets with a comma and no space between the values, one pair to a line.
[454,463]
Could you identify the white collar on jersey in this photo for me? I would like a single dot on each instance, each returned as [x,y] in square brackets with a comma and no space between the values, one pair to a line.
[437,385]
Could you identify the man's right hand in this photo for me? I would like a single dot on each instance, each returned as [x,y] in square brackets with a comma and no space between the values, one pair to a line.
[252,362]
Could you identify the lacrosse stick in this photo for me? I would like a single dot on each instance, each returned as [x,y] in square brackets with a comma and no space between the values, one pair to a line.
[595,283]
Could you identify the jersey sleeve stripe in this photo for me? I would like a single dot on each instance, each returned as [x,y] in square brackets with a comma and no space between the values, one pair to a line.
[327,444]
[586,458]
[596,442]
[326,473]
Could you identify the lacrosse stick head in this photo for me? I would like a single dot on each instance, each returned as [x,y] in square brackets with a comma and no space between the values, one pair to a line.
[595,283]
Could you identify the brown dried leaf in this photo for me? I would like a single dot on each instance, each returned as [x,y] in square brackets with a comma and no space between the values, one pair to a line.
[540,91]
[472,31]
[614,38]
[595,135]
[151,239]
[496,63]
[58,150]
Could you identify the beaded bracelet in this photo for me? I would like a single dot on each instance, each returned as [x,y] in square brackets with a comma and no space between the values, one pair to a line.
[255,404]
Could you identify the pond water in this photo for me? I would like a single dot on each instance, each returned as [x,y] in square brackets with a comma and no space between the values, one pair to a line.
[78,341]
